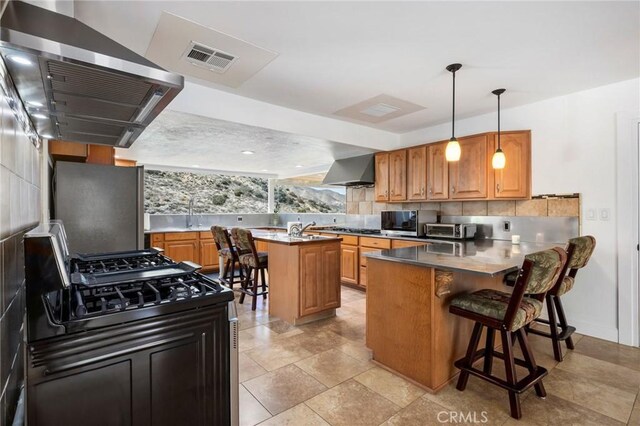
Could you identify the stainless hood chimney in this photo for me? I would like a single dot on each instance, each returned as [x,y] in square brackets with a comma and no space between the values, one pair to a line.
[354,171]
[76,83]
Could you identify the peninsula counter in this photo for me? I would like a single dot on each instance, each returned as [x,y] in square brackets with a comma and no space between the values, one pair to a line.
[409,327]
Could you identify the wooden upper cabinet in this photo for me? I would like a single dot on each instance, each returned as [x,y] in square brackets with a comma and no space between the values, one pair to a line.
[101,154]
[417,173]
[382,176]
[514,181]
[437,172]
[468,176]
[398,175]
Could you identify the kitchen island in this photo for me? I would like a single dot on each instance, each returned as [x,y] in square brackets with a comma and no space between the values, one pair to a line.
[304,276]
[409,327]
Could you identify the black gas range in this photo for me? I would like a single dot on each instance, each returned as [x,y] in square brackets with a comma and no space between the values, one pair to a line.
[127,337]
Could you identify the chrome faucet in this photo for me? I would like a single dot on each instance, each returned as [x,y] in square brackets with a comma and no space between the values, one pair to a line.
[192,201]
[306,226]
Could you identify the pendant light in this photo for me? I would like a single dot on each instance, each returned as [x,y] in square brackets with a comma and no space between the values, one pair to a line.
[499,160]
[452,152]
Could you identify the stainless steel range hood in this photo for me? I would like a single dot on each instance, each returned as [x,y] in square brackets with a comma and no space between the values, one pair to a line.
[354,171]
[76,83]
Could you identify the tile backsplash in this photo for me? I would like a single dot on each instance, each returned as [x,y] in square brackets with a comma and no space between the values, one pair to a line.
[20,211]
[360,201]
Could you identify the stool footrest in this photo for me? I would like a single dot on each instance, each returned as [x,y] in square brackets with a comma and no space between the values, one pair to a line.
[561,336]
[521,386]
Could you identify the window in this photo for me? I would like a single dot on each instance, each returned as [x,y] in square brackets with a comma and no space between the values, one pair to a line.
[169,193]
[309,199]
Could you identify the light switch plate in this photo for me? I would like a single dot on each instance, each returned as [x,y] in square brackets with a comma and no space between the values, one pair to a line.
[605,214]
[591,214]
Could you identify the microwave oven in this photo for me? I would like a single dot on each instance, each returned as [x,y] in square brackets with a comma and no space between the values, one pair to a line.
[458,231]
[406,222]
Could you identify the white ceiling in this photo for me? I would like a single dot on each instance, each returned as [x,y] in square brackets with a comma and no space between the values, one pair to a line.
[179,140]
[333,55]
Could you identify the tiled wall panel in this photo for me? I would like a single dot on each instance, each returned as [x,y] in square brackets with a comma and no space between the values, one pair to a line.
[19,211]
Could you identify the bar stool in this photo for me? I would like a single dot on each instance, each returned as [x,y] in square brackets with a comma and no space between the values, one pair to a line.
[509,314]
[579,251]
[254,263]
[229,255]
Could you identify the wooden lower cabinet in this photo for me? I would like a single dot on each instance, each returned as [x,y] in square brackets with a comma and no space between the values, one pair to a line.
[182,250]
[349,264]
[319,284]
[197,247]
[208,254]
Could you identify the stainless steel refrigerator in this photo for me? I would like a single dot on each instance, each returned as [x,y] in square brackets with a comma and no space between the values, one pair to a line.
[102,207]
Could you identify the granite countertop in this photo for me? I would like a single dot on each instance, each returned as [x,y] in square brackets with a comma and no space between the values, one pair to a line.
[485,257]
[280,238]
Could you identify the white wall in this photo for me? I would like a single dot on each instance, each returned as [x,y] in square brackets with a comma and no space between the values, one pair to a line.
[573,150]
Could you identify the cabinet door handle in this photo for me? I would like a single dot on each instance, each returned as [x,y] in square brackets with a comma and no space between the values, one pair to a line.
[392,192]
[453,189]
[422,191]
[498,187]
[386,193]
[430,190]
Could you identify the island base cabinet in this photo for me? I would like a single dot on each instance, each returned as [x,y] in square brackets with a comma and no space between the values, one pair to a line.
[304,281]
[319,283]
[408,325]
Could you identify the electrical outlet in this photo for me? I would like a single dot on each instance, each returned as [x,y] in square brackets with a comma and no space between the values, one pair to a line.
[239,218]
[335,220]
[506,226]
[591,214]
[298,218]
[605,214]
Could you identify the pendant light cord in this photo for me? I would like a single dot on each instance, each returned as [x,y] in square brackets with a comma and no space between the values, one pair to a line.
[453,112]
[498,121]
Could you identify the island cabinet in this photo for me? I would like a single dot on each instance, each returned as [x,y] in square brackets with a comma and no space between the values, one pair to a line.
[304,277]
[468,176]
[208,253]
[417,173]
[514,181]
[382,176]
[437,172]
[319,283]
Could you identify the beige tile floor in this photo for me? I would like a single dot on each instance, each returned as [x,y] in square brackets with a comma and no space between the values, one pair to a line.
[321,374]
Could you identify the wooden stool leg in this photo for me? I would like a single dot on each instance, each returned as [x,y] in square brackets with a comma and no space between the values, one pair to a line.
[488,351]
[471,350]
[562,319]
[553,328]
[255,289]
[225,274]
[264,284]
[244,283]
[510,370]
[527,353]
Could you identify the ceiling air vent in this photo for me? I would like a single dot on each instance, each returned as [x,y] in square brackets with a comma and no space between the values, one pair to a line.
[380,110]
[208,57]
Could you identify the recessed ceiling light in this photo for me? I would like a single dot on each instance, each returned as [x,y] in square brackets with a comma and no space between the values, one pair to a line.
[35,104]
[195,165]
[265,170]
[298,166]
[47,136]
[20,60]
[248,152]
[39,115]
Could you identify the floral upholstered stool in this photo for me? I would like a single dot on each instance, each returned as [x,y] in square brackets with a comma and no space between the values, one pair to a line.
[509,314]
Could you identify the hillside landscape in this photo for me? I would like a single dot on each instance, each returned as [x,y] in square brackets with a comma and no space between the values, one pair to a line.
[169,193]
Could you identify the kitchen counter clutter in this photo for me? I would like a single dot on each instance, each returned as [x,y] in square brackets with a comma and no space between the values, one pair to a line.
[409,290]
